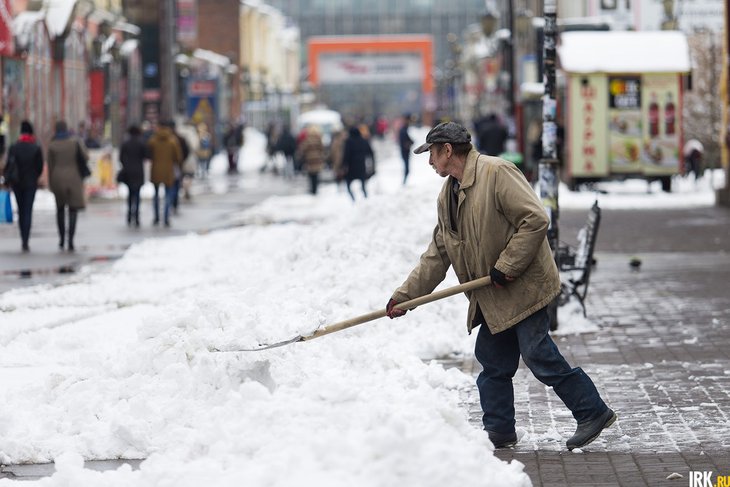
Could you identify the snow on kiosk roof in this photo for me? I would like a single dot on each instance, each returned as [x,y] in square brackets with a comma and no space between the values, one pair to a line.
[624,52]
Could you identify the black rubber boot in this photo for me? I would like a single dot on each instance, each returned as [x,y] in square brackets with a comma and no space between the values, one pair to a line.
[72,215]
[502,440]
[589,430]
[61,223]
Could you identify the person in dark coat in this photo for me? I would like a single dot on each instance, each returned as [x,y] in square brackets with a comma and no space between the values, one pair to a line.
[27,158]
[132,155]
[233,141]
[491,135]
[287,145]
[66,181]
[405,142]
[357,151]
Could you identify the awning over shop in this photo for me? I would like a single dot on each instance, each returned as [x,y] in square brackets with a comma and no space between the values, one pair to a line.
[624,52]
[23,25]
[59,16]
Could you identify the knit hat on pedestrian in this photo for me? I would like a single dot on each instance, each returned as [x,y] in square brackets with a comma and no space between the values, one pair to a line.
[26,127]
[442,133]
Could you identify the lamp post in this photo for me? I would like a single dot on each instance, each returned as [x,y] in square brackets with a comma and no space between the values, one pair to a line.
[510,60]
[549,163]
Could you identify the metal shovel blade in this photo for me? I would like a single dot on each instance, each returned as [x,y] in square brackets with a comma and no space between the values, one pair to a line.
[407,305]
[297,338]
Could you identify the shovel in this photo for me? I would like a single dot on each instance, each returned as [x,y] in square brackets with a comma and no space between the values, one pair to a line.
[373,315]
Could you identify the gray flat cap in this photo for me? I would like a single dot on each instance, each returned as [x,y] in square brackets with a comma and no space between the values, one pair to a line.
[445,132]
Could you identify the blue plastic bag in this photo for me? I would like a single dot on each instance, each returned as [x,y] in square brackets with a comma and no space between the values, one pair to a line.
[6,207]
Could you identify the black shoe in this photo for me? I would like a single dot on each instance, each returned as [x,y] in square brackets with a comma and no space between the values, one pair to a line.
[502,440]
[26,248]
[589,430]
[71,247]
[167,224]
[156,222]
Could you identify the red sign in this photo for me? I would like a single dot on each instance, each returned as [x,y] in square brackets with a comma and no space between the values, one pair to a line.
[96,98]
[201,88]
[7,45]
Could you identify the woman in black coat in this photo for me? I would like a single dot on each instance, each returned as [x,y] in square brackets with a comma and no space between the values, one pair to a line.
[27,158]
[132,155]
[357,151]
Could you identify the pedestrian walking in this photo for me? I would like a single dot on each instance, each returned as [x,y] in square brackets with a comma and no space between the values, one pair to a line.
[354,160]
[166,156]
[337,149]
[272,142]
[67,160]
[491,135]
[490,222]
[405,142]
[23,167]
[311,152]
[179,173]
[233,141]
[132,154]
[287,145]
[693,152]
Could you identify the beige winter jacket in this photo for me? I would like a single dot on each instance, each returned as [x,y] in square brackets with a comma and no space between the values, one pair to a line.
[64,177]
[166,156]
[501,223]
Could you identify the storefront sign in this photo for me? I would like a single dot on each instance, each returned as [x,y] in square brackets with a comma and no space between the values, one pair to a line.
[344,68]
[187,22]
[588,147]
[7,46]
[202,101]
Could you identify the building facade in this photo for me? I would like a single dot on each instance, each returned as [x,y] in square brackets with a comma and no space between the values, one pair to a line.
[389,17]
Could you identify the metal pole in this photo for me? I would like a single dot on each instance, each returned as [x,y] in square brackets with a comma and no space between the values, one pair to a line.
[549,163]
[168,91]
[511,61]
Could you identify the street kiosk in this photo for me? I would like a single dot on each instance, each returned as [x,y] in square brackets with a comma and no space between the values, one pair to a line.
[623,104]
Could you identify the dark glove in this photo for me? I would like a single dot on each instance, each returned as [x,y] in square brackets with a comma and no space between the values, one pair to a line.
[391,311]
[499,279]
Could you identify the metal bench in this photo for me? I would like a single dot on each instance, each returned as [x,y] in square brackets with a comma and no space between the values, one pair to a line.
[575,264]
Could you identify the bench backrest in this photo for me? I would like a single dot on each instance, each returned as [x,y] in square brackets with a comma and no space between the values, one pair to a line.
[587,237]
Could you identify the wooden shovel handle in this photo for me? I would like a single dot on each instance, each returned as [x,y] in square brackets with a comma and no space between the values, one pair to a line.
[374,315]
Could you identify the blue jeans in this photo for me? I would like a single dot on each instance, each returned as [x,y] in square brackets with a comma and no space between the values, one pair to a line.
[169,195]
[499,355]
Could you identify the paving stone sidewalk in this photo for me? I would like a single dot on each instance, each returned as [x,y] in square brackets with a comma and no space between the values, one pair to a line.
[661,360]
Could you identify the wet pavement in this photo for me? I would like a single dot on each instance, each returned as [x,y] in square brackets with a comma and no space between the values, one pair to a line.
[661,359]
[102,234]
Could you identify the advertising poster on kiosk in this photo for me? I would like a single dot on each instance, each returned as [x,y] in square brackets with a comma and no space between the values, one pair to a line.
[660,150]
[624,123]
[588,112]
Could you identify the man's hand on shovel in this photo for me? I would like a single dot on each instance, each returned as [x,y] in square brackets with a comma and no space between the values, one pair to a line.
[391,311]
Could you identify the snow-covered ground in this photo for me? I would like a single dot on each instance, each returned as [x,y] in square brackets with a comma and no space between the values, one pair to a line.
[117,364]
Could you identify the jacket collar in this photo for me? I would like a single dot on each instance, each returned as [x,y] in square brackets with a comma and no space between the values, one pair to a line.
[470,169]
